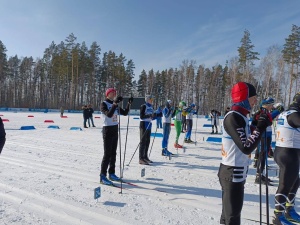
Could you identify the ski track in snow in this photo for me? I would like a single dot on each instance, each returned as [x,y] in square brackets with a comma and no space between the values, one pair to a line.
[48,176]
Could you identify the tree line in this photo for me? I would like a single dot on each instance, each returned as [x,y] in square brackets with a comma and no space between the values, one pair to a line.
[71,75]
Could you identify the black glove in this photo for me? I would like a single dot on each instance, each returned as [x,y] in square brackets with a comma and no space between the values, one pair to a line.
[263,122]
[130,100]
[118,99]
[280,108]
[154,115]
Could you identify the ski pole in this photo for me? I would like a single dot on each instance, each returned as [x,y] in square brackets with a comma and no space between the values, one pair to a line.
[138,145]
[119,131]
[153,142]
[260,188]
[267,179]
[126,141]
[196,129]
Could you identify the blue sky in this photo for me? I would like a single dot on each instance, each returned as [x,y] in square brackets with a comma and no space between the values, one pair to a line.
[156,34]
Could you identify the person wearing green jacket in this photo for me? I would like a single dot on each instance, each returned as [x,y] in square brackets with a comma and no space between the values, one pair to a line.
[177,122]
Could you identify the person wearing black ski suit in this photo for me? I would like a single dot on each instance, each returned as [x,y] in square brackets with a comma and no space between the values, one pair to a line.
[237,144]
[287,156]
[2,135]
[110,111]
[147,114]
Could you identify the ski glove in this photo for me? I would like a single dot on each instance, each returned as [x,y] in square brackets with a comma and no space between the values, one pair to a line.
[130,100]
[263,122]
[280,108]
[118,99]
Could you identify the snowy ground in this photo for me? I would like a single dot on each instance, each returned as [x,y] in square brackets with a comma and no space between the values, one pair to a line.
[48,176]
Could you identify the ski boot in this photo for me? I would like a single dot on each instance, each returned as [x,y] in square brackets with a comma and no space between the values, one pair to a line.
[113,177]
[104,180]
[280,219]
[143,162]
[176,145]
[165,152]
[148,160]
[291,214]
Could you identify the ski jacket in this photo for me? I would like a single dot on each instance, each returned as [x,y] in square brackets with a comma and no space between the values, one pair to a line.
[288,129]
[237,144]
[146,112]
[111,111]
[168,113]
[91,111]
[86,113]
[178,114]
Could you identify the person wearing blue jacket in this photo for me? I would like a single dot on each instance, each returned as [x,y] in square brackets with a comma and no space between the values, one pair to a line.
[168,112]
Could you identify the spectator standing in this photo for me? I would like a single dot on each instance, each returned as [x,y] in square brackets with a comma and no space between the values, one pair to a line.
[91,111]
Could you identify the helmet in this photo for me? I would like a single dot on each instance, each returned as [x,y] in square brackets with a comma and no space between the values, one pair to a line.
[181,104]
[242,91]
[296,102]
[193,105]
[268,101]
[148,97]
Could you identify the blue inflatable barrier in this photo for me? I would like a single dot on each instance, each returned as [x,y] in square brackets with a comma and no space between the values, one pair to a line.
[75,128]
[156,135]
[53,127]
[207,125]
[27,128]
[136,118]
[214,139]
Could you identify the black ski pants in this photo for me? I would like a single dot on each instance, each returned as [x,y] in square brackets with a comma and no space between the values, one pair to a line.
[110,142]
[288,161]
[145,133]
[232,201]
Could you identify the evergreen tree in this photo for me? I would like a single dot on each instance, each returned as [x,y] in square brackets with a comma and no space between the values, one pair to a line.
[291,54]
[246,56]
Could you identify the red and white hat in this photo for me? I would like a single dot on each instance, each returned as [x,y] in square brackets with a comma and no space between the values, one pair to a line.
[109,90]
[242,91]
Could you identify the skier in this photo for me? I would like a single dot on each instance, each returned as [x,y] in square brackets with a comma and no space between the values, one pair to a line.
[266,140]
[147,114]
[237,143]
[287,156]
[168,113]
[214,115]
[2,135]
[189,121]
[183,120]
[109,108]
[177,122]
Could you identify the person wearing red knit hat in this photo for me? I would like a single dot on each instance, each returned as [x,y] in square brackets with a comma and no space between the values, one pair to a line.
[110,109]
[237,143]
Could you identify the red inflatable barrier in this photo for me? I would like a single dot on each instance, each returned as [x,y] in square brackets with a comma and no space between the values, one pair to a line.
[64,116]
[5,120]
[97,117]
[30,116]
[48,121]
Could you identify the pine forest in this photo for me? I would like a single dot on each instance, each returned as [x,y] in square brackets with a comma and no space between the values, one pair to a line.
[71,75]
